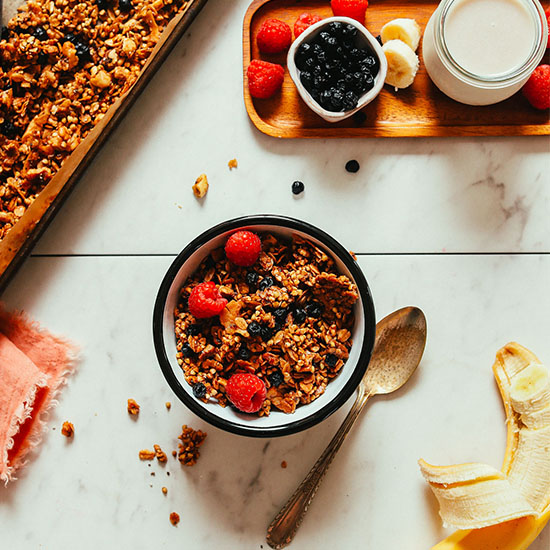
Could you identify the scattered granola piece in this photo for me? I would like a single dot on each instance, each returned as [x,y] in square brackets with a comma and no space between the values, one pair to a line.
[188,449]
[174,518]
[133,407]
[200,187]
[168,405]
[164,490]
[174,454]
[283,464]
[232,164]
[68,429]
[160,454]
[146,454]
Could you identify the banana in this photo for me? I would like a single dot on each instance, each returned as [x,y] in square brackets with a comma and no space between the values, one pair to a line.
[526,466]
[530,390]
[406,30]
[402,64]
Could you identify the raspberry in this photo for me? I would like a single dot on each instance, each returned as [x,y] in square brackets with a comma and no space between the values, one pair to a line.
[246,391]
[304,21]
[274,36]
[243,248]
[356,9]
[206,301]
[537,88]
[264,79]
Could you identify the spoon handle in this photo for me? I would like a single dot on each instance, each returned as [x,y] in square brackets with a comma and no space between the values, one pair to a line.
[283,528]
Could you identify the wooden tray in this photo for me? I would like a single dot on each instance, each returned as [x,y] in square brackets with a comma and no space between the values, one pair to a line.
[25,233]
[419,111]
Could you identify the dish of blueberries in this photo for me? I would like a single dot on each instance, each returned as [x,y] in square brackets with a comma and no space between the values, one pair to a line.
[337,66]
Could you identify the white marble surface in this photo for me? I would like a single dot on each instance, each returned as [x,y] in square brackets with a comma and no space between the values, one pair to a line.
[97,269]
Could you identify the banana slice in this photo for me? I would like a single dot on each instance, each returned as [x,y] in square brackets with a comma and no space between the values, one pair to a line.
[530,389]
[538,419]
[407,30]
[402,64]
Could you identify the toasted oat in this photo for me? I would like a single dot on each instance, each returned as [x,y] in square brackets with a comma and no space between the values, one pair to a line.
[200,187]
[174,518]
[168,405]
[283,464]
[146,454]
[232,164]
[68,429]
[164,490]
[133,407]
[188,449]
[160,454]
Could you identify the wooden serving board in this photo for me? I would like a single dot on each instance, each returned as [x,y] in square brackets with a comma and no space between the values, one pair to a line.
[418,111]
[20,240]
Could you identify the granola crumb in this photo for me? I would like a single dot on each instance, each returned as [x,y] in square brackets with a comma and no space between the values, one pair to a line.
[160,454]
[200,188]
[164,490]
[188,449]
[283,464]
[68,429]
[153,474]
[133,407]
[168,405]
[174,454]
[146,454]
[174,518]
[232,164]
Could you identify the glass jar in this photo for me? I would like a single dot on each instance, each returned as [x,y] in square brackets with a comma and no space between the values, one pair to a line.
[464,85]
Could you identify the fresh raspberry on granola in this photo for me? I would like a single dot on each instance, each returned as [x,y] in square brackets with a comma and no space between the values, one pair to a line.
[264,79]
[356,9]
[304,21]
[243,248]
[274,36]
[537,88]
[205,300]
[246,391]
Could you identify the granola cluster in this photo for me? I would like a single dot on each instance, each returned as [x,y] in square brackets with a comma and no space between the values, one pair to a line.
[288,321]
[188,450]
[63,63]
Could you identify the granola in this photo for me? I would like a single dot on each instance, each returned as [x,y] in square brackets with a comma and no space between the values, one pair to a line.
[133,407]
[63,63]
[67,429]
[288,321]
[188,450]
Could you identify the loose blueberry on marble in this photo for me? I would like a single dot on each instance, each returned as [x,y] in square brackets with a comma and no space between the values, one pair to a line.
[352,166]
[298,187]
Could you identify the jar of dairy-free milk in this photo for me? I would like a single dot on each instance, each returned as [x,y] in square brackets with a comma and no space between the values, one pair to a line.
[481,52]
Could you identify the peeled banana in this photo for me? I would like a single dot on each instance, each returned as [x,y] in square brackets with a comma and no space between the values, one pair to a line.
[406,30]
[402,64]
[472,495]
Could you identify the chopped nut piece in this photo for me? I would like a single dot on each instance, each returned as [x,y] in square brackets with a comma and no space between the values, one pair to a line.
[283,464]
[133,407]
[174,518]
[168,405]
[101,79]
[146,454]
[160,454]
[164,490]
[200,187]
[188,449]
[68,429]
[232,164]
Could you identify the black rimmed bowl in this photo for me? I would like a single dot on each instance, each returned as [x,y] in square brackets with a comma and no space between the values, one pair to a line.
[277,423]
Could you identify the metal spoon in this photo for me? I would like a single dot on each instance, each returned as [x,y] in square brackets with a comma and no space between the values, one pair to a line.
[399,345]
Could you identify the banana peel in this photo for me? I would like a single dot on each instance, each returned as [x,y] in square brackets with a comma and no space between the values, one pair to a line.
[519,533]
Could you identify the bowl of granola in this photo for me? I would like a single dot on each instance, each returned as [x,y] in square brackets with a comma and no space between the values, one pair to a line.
[264,325]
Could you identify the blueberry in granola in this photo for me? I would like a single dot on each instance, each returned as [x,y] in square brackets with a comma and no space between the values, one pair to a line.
[314,310]
[186,350]
[299,315]
[8,129]
[266,282]
[244,353]
[331,360]
[266,333]
[125,6]
[193,330]
[40,33]
[275,378]
[254,328]
[199,390]
[252,278]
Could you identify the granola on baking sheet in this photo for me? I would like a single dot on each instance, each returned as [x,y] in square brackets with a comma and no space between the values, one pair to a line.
[288,320]
[63,63]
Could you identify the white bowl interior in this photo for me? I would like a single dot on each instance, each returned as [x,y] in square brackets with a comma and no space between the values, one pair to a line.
[275,418]
[366,98]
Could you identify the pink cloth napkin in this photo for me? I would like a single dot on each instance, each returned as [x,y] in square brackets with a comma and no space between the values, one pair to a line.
[34,365]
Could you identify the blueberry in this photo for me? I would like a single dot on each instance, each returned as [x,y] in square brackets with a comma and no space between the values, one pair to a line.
[317,83]
[317,70]
[43,58]
[306,78]
[199,390]
[333,64]
[341,85]
[337,100]
[321,57]
[275,378]
[244,353]
[317,50]
[8,129]
[349,31]
[193,330]
[102,5]
[369,82]
[331,360]
[335,28]
[379,39]
[359,81]
[314,309]
[309,63]
[299,316]
[352,166]
[40,33]
[350,101]
[266,333]
[297,187]
[252,278]
[325,99]
[125,6]
[281,313]
[186,350]
[304,51]
[266,282]
[69,37]
[254,328]
[82,50]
